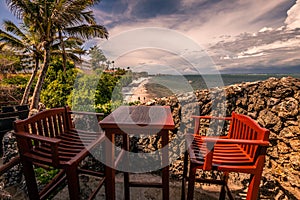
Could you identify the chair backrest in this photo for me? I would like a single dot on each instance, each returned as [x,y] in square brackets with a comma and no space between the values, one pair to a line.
[49,123]
[6,109]
[244,127]
[22,107]
[6,124]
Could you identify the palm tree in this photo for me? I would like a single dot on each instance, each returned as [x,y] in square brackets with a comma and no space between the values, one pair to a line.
[23,41]
[48,18]
[71,50]
[8,60]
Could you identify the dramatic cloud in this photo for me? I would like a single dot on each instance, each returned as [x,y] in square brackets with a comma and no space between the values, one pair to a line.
[293,19]
[253,36]
[269,50]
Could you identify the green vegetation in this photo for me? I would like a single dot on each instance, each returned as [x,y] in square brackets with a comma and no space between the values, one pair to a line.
[8,61]
[98,59]
[44,176]
[49,28]
[98,91]
[20,80]
[58,84]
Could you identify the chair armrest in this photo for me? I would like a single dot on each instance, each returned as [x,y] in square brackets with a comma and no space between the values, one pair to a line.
[213,140]
[211,117]
[52,141]
[234,141]
[27,145]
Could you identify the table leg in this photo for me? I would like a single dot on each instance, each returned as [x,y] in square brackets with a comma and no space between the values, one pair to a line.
[109,167]
[165,162]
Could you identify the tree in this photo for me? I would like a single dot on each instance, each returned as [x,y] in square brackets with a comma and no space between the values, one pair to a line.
[48,18]
[57,87]
[8,60]
[23,41]
[97,58]
[27,43]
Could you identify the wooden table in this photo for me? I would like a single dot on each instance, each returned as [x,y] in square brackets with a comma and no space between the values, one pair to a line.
[136,120]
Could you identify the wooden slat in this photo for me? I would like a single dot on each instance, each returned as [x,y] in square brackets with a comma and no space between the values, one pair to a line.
[50,125]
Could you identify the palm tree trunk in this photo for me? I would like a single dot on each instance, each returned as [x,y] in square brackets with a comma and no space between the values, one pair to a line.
[64,56]
[39,84]
[29,84]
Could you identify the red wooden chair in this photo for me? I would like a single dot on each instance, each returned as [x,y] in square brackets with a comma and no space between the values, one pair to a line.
[243,150]
[49,138]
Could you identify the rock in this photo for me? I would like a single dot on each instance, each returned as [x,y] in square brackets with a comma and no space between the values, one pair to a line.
[289,132]
[295,144]
[273,103]
[268,119]
[283,148]
[287,108]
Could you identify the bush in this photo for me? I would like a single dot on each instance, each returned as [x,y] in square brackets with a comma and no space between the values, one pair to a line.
[17,80]
[58,86]
[95,91]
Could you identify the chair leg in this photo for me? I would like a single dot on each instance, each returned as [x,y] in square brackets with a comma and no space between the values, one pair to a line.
[253,188]
[223,188]
[31,184]
[184,175]
[73,182]
[191,185]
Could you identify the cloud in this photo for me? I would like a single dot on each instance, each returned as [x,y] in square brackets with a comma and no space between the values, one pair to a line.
[293,19]
[242,34]
[271,50]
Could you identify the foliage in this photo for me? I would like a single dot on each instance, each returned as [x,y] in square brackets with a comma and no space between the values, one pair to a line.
[44,176]
[97,58]
[55,21]
[106,89]
[18,80]
[58,85]
[8,61]
[107,108]
[94,90]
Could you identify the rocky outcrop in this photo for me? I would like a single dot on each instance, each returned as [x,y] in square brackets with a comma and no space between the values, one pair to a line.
[273,103]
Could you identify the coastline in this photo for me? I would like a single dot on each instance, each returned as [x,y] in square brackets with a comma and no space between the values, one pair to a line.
[146,88]
[137,91]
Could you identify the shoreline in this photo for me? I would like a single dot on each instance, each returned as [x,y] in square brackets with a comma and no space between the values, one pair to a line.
[137,91]
[140,92]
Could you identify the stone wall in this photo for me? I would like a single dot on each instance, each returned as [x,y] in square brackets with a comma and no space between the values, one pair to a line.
[273,103]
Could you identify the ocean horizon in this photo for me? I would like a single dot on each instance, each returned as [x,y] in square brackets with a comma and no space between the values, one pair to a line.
[167,85]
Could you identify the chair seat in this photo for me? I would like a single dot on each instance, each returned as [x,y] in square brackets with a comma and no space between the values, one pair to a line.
[224,154]
[71,144]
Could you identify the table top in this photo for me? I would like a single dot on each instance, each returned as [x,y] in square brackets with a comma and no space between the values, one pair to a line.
[139,117]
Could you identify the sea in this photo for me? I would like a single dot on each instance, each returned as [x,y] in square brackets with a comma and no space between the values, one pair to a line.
[209,81]
[166,85]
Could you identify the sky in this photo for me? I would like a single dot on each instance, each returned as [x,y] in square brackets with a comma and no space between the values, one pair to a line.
[200,36]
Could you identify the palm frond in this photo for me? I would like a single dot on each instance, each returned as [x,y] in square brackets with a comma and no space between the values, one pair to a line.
[11,27]
[11,40]
[20,7]
[89,17]
[87,31]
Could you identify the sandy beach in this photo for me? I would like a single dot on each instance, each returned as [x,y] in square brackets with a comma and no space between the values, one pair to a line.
[139,93]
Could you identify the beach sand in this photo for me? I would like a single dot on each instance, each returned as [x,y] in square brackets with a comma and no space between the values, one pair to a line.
[140,93]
